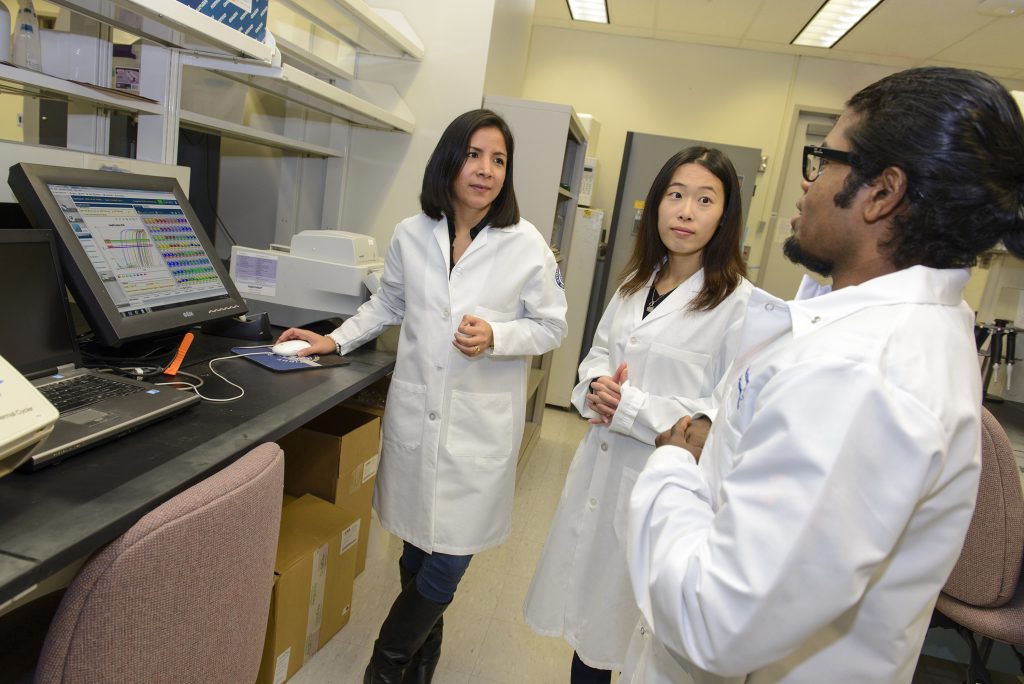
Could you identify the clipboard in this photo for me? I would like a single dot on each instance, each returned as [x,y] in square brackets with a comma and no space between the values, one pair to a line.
[284,364]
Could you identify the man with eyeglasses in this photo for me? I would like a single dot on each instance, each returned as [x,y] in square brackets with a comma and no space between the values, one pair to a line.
[809,539]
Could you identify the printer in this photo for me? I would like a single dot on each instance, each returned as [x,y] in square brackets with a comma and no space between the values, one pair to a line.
[26,417]
[323,273]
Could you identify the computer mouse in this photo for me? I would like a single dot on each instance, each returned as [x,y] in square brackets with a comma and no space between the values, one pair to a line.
[289,348]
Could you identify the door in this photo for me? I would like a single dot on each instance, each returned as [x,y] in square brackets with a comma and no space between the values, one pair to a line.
[778,274]
[642,159]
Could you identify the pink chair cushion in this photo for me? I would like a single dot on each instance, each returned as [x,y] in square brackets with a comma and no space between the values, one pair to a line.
[183,595]
[987,572]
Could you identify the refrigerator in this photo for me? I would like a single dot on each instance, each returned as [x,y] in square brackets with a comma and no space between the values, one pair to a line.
[578,270]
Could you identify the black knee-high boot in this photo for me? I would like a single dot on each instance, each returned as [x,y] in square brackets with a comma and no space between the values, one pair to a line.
[406,627]
[420,669]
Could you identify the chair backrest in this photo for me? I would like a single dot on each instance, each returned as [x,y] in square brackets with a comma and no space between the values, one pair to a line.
[182,596]
[989,566]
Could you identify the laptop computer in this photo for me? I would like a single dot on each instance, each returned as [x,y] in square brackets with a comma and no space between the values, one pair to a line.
[39,341]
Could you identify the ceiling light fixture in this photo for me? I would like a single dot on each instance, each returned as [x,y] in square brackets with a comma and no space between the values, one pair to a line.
[588,10]
[832,21]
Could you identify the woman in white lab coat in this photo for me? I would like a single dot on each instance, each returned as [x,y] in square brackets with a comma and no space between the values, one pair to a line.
[477,292]
[663,343]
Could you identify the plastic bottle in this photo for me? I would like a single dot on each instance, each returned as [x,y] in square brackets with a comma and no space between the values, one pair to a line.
[26,42]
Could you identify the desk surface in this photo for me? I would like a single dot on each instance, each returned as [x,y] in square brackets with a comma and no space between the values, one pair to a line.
[57,515]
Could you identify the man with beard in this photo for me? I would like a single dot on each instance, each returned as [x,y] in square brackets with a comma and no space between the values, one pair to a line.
[830,502]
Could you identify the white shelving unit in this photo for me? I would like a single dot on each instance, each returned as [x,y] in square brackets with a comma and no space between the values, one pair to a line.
[298,102]
[170,23]
[33,83]
[378,32]
[294,85]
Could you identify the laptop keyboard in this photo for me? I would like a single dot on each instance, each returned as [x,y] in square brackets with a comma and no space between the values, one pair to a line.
[84,390]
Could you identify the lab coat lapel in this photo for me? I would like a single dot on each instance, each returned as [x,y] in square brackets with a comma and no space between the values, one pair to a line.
[638,302]
[443,243]
[676,300]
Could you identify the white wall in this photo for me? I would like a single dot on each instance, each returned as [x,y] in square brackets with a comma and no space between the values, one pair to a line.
[385,170]
[509,48]
[718,94]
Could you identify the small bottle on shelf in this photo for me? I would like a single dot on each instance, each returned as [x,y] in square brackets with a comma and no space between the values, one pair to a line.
[26,43]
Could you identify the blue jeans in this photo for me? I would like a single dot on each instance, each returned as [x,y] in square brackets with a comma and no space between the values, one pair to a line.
[437,574]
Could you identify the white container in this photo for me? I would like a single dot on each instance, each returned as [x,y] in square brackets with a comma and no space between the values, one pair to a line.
[26,45]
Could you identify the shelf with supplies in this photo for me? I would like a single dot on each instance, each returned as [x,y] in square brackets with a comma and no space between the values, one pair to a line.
[19,81]
[171,23]
[294,85]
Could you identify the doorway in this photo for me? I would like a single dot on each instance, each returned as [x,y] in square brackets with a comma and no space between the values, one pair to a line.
[777,274]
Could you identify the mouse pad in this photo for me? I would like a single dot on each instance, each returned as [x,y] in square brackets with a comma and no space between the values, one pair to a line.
[288,363]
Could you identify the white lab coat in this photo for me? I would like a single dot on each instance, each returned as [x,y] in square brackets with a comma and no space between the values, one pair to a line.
[831,499]
[675,358]
[453,424]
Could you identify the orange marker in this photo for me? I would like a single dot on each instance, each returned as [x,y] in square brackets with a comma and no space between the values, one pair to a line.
[172,369]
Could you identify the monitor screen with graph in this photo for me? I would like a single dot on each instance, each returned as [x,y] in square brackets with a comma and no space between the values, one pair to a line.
[135,255]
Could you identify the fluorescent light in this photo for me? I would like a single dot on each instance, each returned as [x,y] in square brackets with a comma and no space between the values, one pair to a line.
[588,10]
[833,20]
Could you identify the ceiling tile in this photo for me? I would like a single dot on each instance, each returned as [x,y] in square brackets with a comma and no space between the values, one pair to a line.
[917,29]
[999,44]
[729,18]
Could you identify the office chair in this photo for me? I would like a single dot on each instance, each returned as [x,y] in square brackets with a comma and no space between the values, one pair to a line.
[182,596]
[984,595]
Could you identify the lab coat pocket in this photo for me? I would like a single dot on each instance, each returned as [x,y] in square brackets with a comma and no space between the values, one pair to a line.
[403,416]
[480,426]
[672,371]
[620,518]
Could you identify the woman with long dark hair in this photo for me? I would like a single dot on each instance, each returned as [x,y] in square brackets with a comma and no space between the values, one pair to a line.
[664,342]
[477,293]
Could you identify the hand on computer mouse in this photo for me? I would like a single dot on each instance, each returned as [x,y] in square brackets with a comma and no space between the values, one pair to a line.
[290,348]
[317,344]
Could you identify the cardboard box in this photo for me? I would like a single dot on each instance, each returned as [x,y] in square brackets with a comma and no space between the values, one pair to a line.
[335,457]
[313,575]
[245,16]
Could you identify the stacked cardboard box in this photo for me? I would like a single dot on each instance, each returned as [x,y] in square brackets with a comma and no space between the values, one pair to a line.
[313,575]
[335,457]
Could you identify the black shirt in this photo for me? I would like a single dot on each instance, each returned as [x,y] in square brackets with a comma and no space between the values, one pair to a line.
[473,232]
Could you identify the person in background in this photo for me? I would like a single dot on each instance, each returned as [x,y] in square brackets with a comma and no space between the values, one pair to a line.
[839,477]
[477,292]
[666,338]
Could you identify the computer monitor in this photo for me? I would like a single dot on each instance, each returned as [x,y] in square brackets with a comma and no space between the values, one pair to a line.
[134,253]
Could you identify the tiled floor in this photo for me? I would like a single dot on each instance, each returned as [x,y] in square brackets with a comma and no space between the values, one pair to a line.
[485,639]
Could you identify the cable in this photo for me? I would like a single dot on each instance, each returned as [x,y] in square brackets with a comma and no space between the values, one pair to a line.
[195,388]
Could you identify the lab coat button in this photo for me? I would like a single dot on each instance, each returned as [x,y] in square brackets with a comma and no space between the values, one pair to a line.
[593,502]
[432,415]
[632,340]
[604,446]
[643,631]
[445,314]
[769,307]
[815,319]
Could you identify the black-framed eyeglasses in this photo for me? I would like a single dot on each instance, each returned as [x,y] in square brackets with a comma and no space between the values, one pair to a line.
[816,157]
